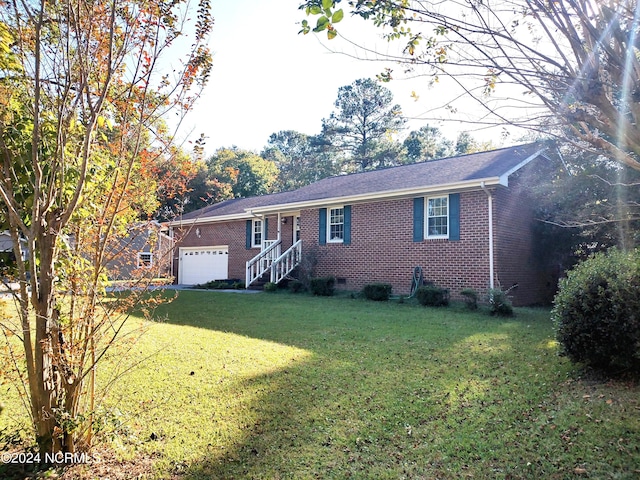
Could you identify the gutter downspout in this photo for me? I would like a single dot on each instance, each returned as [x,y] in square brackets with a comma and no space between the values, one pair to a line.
[491,260]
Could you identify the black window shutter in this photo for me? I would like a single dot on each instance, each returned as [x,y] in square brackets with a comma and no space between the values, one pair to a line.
[418,219]
[322,235]
[249,233]
[347,225]
[454,216]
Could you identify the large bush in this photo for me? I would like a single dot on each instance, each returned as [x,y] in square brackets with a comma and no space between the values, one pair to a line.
[597,311]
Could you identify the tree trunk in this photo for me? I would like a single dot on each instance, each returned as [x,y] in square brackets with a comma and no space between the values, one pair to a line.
[48,393]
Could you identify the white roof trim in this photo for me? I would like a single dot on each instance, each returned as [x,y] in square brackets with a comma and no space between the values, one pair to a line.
[386,195]
[504,178]
[216,218]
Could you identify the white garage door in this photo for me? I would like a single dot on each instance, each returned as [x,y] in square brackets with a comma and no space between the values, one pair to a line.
[203,264]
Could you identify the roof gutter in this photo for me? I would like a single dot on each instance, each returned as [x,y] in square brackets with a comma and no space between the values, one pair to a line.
[366,197]
[222,218]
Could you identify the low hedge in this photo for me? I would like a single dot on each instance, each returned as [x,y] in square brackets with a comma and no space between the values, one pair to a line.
[296,286]
[470,298]
[379,292]
[432,296]
[221,285]
[323,286]
[499,303]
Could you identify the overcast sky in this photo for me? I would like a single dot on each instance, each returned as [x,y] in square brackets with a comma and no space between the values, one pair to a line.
[267,78]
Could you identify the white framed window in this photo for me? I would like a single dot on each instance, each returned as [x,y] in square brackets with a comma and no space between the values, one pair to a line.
[437,224]
[256,233]
[145,259]
[335,224]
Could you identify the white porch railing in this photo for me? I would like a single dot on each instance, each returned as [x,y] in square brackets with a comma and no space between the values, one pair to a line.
[273,254]
[270,259]
[258,265]
[285,263]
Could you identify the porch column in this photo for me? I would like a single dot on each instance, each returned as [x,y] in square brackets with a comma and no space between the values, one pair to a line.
[279,226]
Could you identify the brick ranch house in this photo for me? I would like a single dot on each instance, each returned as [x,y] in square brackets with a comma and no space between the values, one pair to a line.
[466,221]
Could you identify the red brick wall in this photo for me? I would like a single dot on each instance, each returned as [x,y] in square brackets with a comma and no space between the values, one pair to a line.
[518,263]
[382,248]
[232,234]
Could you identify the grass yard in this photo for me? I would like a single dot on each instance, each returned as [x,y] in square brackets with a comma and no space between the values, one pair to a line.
[285,386]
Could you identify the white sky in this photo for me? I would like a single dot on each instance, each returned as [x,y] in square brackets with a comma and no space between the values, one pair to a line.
[267,78]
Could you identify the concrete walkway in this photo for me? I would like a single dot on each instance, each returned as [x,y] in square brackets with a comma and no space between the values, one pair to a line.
[189,287]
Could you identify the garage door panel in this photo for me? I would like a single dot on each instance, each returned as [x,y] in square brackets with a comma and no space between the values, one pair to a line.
[203,264]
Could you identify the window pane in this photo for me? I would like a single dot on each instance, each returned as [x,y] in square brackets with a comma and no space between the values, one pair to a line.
[145,259]
[257,233]
[438,216]
[336,224]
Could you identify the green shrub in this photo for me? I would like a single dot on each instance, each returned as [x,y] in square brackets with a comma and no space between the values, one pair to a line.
[296,286]
[597,311]
[379,292]
[323,286]
[499,303]
[221,285]
[470,298]
[270,287]
[432,296]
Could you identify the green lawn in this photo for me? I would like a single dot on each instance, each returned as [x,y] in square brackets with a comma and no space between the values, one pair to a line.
[284,386]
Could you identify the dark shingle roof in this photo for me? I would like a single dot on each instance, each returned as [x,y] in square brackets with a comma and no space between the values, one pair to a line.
[236,206]
[427,175]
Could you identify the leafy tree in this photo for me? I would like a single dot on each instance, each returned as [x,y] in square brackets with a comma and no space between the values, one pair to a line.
[300,159]
[592,203]
[465,143]
[426,143]
[81,97]
[198,194]
[387,152]
[235,173]
[363,122]
[181,179]
[570,66]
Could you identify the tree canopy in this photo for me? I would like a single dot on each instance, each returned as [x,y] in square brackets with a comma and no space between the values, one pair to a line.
[363,122]
[235,173]
[300,159]
[569,69]
[427,143]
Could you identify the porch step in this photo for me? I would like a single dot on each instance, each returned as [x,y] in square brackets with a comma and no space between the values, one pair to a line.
[259,283]
[266,278]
